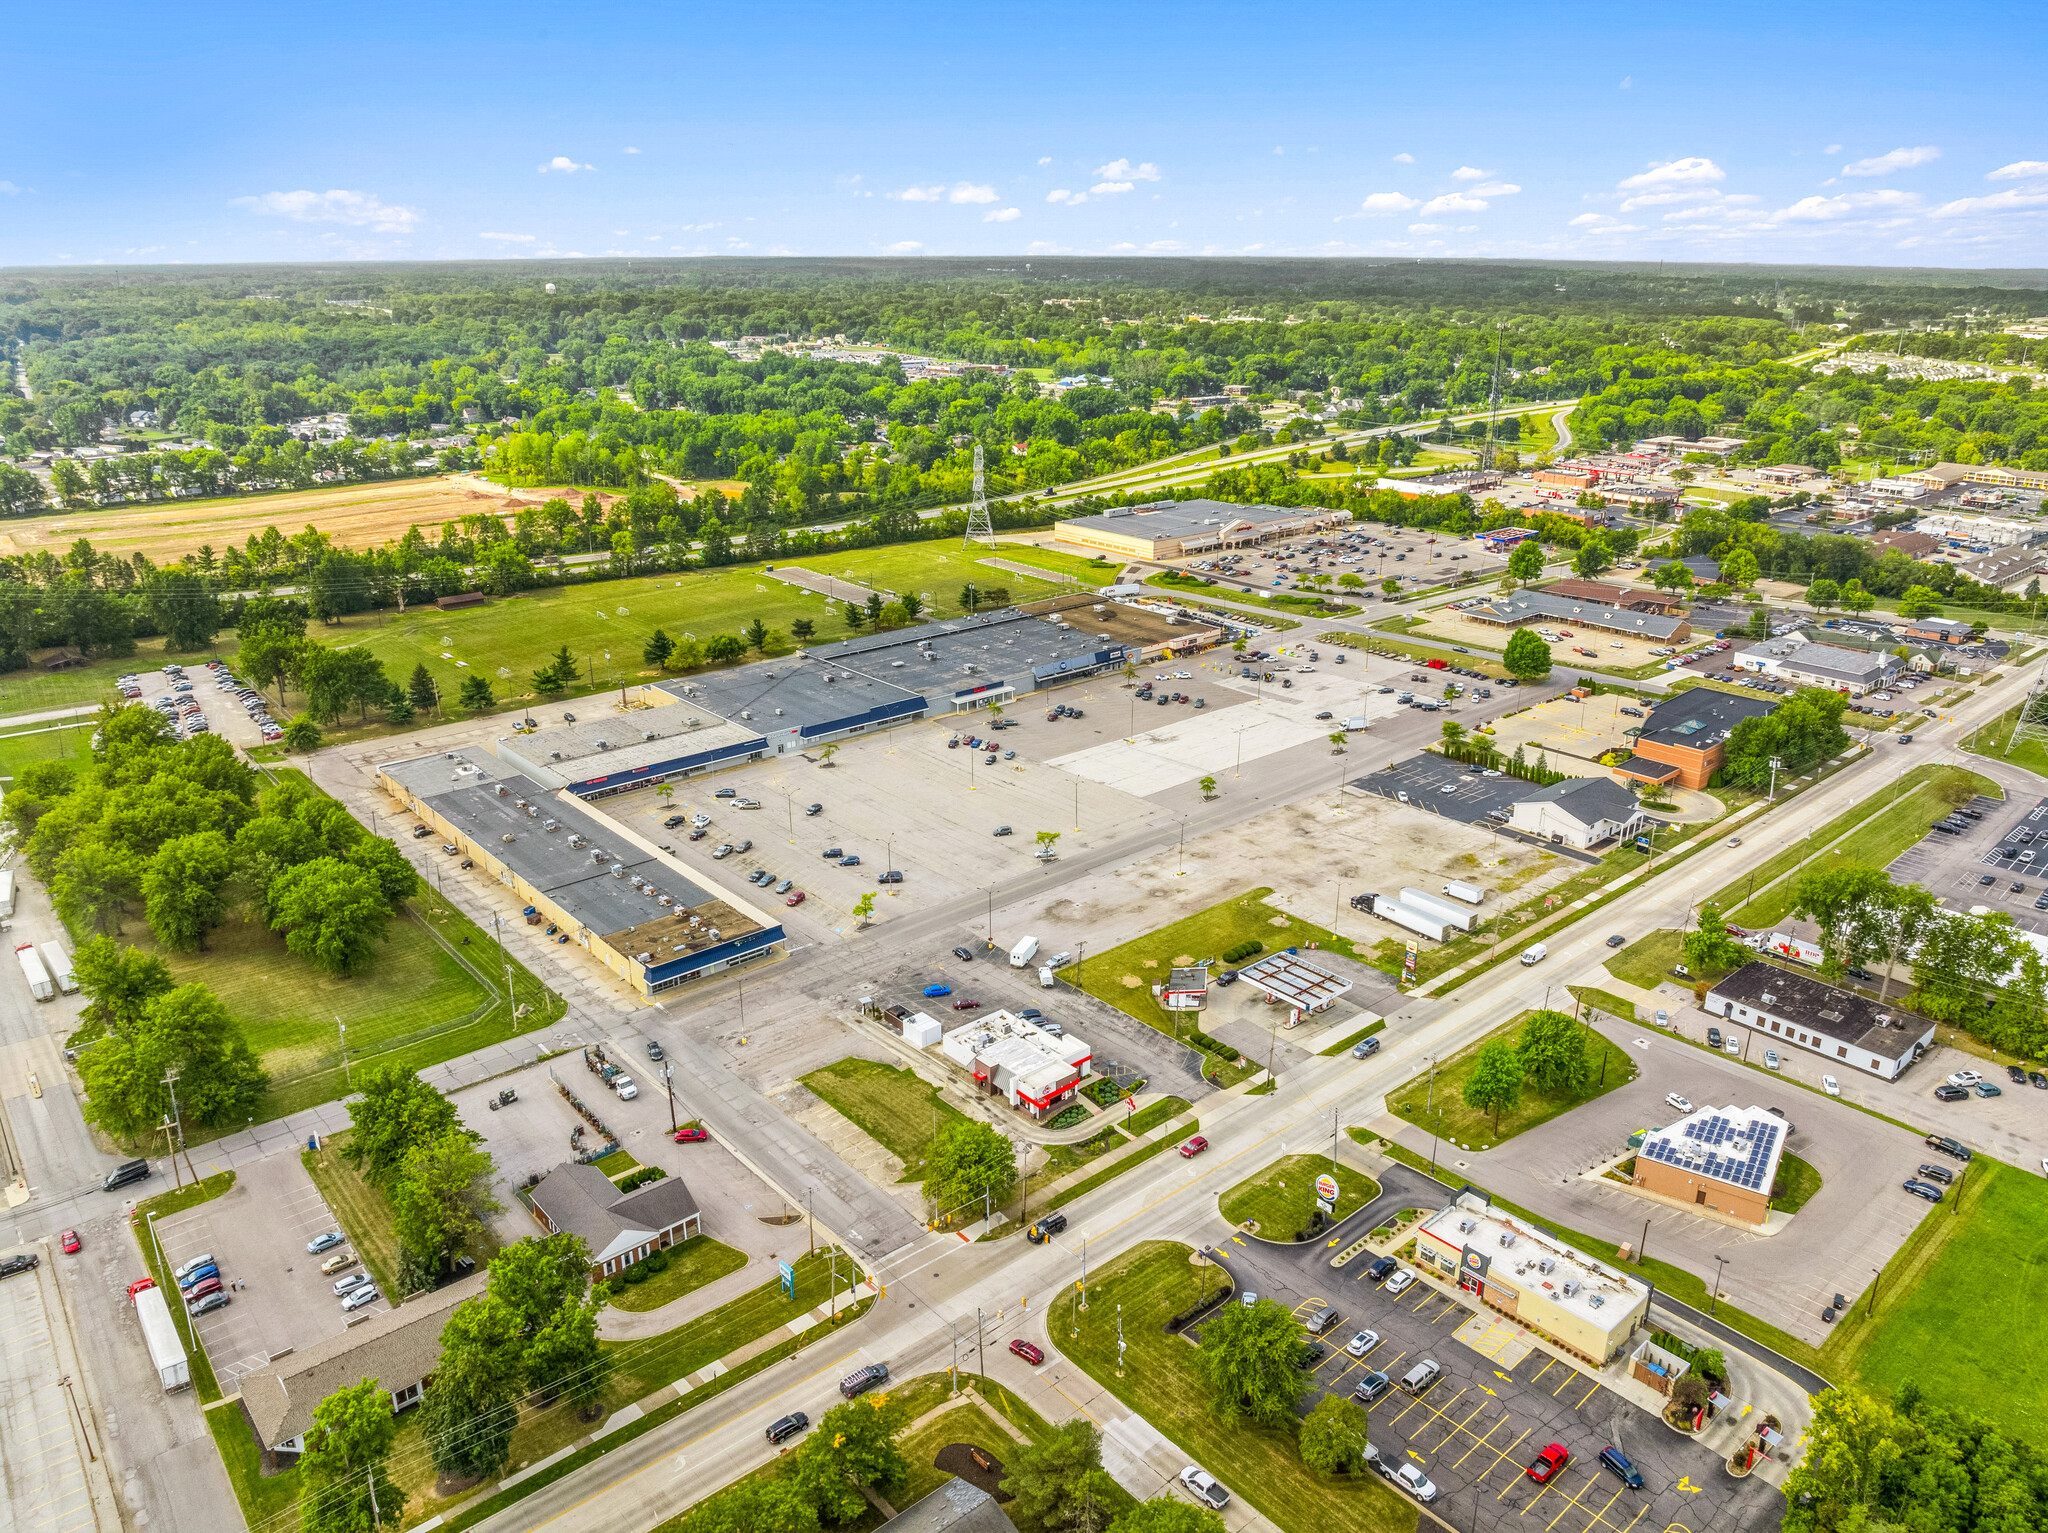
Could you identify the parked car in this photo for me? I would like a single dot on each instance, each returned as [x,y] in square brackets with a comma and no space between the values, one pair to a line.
[933,992]
[1618,1464]
[1830,1085]
[1950,1147]
[337,1262]
[1400,1280]
[201,1289]
[218,1299]
[1382,1269]
[350,1283]
[361,1298]
[1371,1387]
[1948,1093]
[691,1135]
[1923,1190]
[1683,1104]
[1362,1343]
[1544,1467]
[14,1266]
[69,1243]
[1940,1174]
[795,899]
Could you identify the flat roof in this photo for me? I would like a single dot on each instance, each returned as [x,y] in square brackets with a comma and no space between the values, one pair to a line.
[1291,978]
[1828,660]
[1700,716]
[1523,1255]
[792,692]
[1736,1145]
[606,882]
[1191,518]
[1013,1043]
[625,738]
[1842,1016]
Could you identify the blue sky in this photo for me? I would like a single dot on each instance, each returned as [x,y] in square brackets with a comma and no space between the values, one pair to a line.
[1876,134]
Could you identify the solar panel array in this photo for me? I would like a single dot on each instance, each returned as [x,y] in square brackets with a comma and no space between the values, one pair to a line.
[1735,1151]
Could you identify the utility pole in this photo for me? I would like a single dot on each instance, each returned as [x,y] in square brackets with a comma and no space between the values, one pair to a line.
[511,1000]
[668,1079]
[1429,1112]
[810,1215]
[347,1076]
[980,1358]
[1716,1299]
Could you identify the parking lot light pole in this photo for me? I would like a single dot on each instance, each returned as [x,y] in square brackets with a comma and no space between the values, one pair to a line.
[1716,1298]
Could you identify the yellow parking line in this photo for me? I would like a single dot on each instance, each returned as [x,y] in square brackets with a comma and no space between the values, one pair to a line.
[1508,1451]
[1447,1309]
[1587,1396]
[1480,1441]
[1639,1517]
[1552,1363]
[1601,1515]
[1569,1378]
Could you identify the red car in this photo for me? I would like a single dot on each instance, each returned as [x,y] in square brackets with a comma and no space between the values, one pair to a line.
[795,899]
[201,1290]
[1548,1463]
[967,1005]
[70,1242]
[1193,1147]
[692,1135]
[1029,1353]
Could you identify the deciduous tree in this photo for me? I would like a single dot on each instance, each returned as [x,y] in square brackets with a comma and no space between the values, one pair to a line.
[393,1110]
[1552,1046]
[1167,1514]
[968,1159]
[1059,1484]
[1333,1435]
[181,889]
[473,1406]
[1526,656]
[852,1446]
[1248,1358]
[344,1484]
[442,1193]
[1495,1083]
[331,914]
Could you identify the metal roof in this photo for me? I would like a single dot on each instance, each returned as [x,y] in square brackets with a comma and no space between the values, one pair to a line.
[1291,978]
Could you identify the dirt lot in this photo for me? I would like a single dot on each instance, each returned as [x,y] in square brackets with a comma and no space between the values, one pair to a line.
[1572,734]
[1608,649]
[354,516]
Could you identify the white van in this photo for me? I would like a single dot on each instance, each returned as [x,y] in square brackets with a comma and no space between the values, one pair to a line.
[1535,953]
[1045,979]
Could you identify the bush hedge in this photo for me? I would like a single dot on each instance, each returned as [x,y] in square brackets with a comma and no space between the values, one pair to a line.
[640,1177]
[1243,950]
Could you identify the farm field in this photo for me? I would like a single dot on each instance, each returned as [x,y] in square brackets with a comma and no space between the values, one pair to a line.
[354,516]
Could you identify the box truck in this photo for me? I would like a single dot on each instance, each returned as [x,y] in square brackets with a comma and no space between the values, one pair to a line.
[59,964]
[6,893]
[1417,921]
[1025,950]
[1442,910]
[39,983]
[1469,893]
[166,1351]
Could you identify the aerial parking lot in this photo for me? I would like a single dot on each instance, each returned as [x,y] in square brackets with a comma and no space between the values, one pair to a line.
[2007,843]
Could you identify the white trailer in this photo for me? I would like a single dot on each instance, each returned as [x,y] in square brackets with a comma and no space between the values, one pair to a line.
[1025,950]
[161,1336]
[39,983]
[1387,909]
[59,964]
[1441,909]
[6,893]
[1471,894]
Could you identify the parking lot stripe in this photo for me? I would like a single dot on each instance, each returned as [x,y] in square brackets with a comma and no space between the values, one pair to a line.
[1552,1363]
[1600,1517]
[1570,1378]
[1587,1396]
[1480,1441]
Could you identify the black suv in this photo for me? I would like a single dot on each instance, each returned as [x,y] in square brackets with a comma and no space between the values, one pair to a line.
[18,1264]
[1948,1146]
[123,1174]
[1382,1269]
[1940,1174]
[1046,1228]
[783,1430]
[863,1380]
[1947,1093]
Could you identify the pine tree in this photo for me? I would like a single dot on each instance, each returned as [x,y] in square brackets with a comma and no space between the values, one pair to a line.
[420,690]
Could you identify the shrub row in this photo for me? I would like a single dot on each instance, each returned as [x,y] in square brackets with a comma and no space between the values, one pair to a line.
[1243,950]
[640,1177]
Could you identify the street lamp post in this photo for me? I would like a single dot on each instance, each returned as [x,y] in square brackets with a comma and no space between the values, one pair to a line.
[1716,1299]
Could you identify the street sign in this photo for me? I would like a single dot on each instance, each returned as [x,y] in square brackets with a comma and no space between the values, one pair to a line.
[788,1279]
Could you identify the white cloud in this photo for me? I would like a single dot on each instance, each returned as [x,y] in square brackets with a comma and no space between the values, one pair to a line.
[1453,202]
[9,189]
[966,191]
[1591,220]
[1495,189]
[1425,228]
[1690,171]
[1109,188]
[1467,173]
[1045,159]
[1404,159]
[2015,199]
[565,165]
[920,194]
[1002,215]
[1166,245]
[1832,149]
[902,247]
[1386,203]
[1124,170]
[1898,159]
[509,239]
[1627,82]
[1692,196]
[2018,170]
[1071,199]
[629,149]
[337,207]
[1813,210]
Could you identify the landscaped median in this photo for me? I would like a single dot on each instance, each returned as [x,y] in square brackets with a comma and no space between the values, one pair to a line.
[1137,1294]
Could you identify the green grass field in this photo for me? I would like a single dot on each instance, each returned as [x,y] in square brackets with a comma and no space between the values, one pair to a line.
[1797,1182]
[1604,1001]
[892,1107]
[1283,1196]
[32,690]
[1871,834]
[1146,1119]
[1440,1108]
[1123,976]
[45,742]
[1991,739]
[1956,1311]
[362,1210]
[1646,962]
[690,1265]
[1259,1465]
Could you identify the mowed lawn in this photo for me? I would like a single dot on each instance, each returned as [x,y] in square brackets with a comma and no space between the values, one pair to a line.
[690,1265]
[1440,1108]
[1283,1196]
[1258,1465]
[606,624]
[1959,1310]
[892,1107]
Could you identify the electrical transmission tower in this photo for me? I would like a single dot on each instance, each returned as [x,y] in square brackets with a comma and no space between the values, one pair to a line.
[978,524]
[1492,405]
[2032,724]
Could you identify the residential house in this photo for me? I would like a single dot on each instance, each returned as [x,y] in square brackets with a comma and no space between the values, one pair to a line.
[620,1229]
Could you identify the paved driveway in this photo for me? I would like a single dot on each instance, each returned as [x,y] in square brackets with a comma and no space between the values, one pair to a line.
[41,1455]
[1849,1228]
[1475,1431]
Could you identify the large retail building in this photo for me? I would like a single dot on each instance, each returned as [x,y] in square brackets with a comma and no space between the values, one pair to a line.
[1174,529]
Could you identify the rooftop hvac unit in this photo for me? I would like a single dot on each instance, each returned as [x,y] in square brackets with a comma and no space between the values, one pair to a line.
[1595,1300]
[507,838]
[575,840]
[647,734]
[1571,1286]
[1467,1226]
[618,870]
[666,900]
[695,722]
[643,958]
[550,824]
[1769,999]
[503,790]
[713,934]
[521,804]
[1507,1238]
[554,755]
[1546,1264]
[846,675]
[597,854]
[778,713]
[828,676]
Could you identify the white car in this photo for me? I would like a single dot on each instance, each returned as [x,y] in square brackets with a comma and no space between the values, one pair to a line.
[1965,1078]
[1449,787]
[350,1283]
[625,1088]
[1770,1059]
[358,1297]
[699,821]
[1400,1280]
[1203,1487]
[1362,1343]
[1679,1102]
[1415,1482]
[1830,1085]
